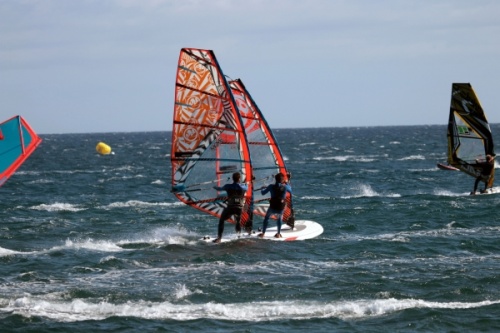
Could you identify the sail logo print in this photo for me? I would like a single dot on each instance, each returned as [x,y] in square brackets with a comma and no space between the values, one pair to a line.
[466,104]
[463,130]
[190,134]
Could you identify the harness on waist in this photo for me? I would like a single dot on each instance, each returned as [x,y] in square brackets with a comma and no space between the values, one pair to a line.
[277,201]
[236,198]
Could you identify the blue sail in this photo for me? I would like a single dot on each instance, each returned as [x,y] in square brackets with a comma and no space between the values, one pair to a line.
[17,142]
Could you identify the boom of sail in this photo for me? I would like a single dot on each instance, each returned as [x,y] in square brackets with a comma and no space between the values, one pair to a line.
[208,138]
[469,134]
[17,142]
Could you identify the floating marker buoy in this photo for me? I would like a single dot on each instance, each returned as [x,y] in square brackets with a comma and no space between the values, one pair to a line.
[103,148]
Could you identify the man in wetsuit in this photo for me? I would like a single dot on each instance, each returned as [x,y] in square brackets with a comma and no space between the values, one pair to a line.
[235,203]
[486,168]
[277,203]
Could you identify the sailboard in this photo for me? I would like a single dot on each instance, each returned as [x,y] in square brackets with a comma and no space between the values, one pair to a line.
[218,130]
[17,142]
[447,167]
[208,139]
[469,134]
[302,230]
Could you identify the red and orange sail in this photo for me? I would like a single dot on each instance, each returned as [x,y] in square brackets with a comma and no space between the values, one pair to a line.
[266,157]
[209,142]
[17,142]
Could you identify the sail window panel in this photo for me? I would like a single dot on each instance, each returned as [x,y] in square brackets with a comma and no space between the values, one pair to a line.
[11,147]
[470,144]
[17,142]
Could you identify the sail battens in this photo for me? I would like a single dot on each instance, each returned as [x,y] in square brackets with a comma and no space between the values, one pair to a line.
[187,69]
[194,90]
[214,127]
[187,159]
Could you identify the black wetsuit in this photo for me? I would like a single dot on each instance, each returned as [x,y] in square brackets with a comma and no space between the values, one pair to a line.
[235,204]
[486,168]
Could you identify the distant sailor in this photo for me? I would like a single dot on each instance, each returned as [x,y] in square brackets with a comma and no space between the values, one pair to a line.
[277,203]
[485,175]
[235,203]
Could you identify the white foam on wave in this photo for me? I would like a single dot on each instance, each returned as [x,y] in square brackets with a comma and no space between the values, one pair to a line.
[412,157]
[345,158]
[140,204]
[449,231]
[165,235]
[58,207]
[160,236]
[7,252]
[447,193]
[41,181]
[364,190]
[425,170]
[181,291]
[314,197]
[80,310]
[90,244]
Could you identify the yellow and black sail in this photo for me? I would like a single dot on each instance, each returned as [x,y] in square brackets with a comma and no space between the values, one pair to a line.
[469,133]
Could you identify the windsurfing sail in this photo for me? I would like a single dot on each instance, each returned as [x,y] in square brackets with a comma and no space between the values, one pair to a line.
[208,139]
[17,142]
[267,159]
[469,134]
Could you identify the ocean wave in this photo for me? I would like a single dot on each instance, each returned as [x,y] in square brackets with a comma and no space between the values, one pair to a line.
[412,157]
[345,158]
[58,207]
[7,252]
[82,310]
[163,236]
[367,191]
[137,203]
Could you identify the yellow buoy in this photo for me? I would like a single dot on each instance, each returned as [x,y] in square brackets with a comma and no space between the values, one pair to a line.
[103,148]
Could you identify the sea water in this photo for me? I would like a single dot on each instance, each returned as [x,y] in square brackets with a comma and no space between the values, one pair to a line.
[98,243]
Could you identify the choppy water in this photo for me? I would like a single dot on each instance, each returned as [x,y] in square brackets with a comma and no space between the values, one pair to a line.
[97,243]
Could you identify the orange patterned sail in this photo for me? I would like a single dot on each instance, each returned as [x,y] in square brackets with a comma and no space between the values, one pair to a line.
[208,139]
[265,153]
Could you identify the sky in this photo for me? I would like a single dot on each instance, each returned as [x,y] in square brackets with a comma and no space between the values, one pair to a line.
[92,66]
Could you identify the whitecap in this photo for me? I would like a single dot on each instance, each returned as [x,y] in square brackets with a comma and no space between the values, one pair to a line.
[266,311]
[57,207]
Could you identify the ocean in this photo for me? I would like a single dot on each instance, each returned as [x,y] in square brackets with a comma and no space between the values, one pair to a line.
[92,243]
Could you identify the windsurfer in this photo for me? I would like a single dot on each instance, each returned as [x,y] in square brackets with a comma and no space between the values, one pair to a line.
[277,203]
[235,203]
[486,168]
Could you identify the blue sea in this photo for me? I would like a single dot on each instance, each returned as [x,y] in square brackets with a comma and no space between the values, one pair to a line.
[92,243]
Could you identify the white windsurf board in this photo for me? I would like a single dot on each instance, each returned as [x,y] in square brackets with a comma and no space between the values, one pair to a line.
[303,229]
